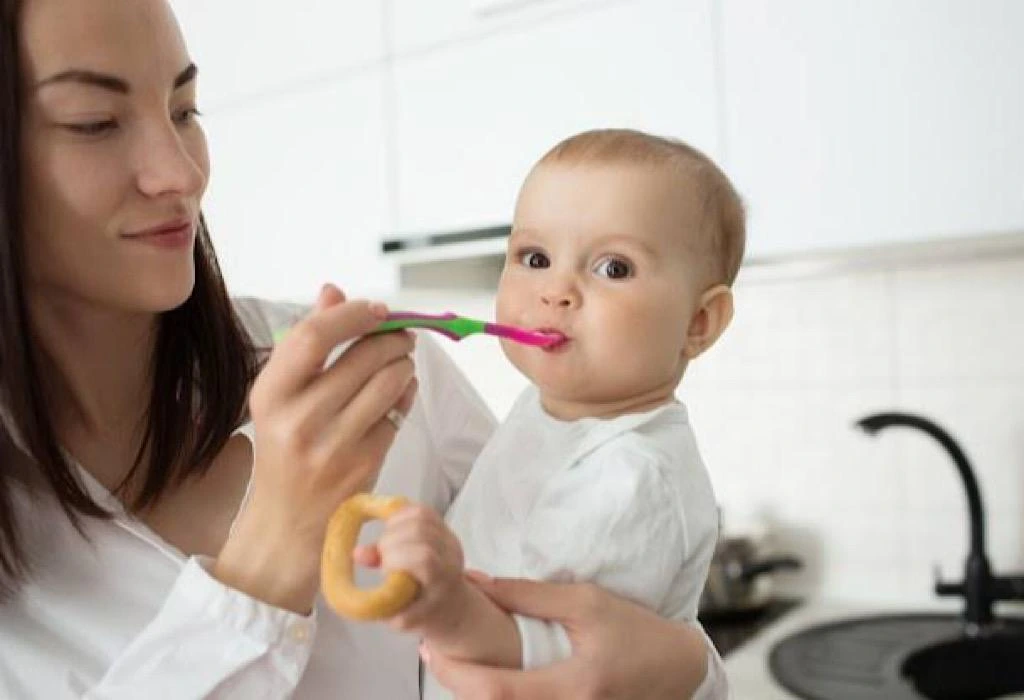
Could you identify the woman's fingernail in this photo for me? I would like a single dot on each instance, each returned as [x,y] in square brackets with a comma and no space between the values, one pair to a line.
[379,309]
[425,654]
[321,298]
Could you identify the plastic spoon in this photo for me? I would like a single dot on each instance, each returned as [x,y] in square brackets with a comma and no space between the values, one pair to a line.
[458,327]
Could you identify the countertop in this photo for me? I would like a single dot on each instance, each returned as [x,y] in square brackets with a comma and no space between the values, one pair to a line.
[747,666]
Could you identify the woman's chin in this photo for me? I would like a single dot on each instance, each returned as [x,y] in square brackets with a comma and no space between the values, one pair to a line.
[169,295]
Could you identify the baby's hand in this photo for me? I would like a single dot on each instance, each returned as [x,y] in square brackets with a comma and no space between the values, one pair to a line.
[416,540]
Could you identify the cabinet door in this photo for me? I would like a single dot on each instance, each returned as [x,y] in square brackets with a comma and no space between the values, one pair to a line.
[858,122]
[420,25]
[246,48]
[472,118]
[298,193]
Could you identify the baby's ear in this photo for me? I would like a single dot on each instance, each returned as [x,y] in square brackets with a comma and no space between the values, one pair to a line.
[713,314]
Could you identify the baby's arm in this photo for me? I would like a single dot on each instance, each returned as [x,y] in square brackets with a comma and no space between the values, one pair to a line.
[452,615]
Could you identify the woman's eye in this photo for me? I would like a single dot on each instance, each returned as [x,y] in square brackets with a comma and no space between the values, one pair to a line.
[614,268]
[92,128]
[185,116]
[534,259]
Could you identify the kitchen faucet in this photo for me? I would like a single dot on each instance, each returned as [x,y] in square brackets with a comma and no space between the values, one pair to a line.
[980,589]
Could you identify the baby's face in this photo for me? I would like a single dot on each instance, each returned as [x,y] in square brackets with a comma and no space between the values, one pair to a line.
[600,253]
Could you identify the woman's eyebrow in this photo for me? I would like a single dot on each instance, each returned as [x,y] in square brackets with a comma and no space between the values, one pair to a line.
[109,82]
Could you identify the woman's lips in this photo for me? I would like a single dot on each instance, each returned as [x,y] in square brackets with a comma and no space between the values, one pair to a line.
[170,237]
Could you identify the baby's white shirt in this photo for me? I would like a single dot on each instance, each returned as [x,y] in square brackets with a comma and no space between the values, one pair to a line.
[625,503]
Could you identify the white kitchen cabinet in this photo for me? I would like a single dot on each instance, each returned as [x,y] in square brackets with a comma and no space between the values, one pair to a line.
[421,25]
[298,191]
[247,48]
[471,118]
[859,122]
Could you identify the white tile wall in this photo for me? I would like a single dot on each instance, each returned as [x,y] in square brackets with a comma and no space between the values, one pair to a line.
[774,405]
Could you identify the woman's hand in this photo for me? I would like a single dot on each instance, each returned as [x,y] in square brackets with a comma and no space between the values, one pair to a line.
[321,436]
[620,650]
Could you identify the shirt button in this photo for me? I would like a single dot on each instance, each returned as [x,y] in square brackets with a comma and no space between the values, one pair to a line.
[299,632]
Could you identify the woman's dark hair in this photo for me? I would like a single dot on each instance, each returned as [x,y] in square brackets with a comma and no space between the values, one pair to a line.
[202,368]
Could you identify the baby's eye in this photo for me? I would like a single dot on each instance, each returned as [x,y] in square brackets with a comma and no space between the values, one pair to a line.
[614,268]
[534,259]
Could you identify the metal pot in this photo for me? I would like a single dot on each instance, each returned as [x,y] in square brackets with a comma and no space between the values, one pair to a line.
[738,580]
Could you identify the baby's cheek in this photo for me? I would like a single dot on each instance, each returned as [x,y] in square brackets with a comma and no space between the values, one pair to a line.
[506,305]
[516,356]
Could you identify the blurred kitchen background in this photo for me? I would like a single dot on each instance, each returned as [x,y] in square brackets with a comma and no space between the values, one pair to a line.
[879,145]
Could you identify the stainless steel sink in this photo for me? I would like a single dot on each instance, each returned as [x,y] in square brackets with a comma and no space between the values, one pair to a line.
[902,657]
[973,656]
[969,667]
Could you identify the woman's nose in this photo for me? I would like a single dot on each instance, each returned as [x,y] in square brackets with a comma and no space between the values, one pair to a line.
[169,166]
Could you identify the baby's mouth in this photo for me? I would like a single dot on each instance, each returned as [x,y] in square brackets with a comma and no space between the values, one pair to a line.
[558,338]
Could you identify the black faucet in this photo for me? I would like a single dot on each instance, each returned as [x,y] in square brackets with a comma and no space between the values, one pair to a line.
[980,589]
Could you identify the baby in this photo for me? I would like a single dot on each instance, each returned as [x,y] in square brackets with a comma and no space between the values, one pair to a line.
[626,244]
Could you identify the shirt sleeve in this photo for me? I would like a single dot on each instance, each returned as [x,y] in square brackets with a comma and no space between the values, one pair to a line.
[716,684]
[210,641]
[263,319]
[458,420]
[609,520]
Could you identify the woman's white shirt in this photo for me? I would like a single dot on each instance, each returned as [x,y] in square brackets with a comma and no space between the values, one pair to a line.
[123,614]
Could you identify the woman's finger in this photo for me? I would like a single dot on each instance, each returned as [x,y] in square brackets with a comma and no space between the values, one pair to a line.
[363,425]
[366,411]
[329,296]
[300,356]
[333,433]
[374,447]
[404,404]
[334,389]
[469,681]
[564,603]
[477,577]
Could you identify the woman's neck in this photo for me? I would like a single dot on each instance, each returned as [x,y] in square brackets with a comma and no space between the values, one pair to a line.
[96,365]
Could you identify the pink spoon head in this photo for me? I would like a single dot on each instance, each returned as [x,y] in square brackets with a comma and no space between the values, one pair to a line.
[539,339]
[553,339]
[550,339]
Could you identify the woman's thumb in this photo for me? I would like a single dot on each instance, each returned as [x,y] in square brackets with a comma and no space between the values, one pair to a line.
[548,601]
[329,296]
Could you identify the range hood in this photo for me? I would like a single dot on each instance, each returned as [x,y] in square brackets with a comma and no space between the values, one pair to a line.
[464,259]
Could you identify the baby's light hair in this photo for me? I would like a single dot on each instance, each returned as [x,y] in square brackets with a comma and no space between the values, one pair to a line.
[723,219]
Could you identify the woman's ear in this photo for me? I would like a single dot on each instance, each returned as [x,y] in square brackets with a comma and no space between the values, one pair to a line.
[713,314]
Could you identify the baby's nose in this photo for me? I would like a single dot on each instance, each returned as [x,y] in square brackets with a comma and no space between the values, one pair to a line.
[561,298]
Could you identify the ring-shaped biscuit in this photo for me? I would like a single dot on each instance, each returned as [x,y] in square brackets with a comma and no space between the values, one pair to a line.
[336,567]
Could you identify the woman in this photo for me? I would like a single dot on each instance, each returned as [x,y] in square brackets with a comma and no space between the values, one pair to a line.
[146,540]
